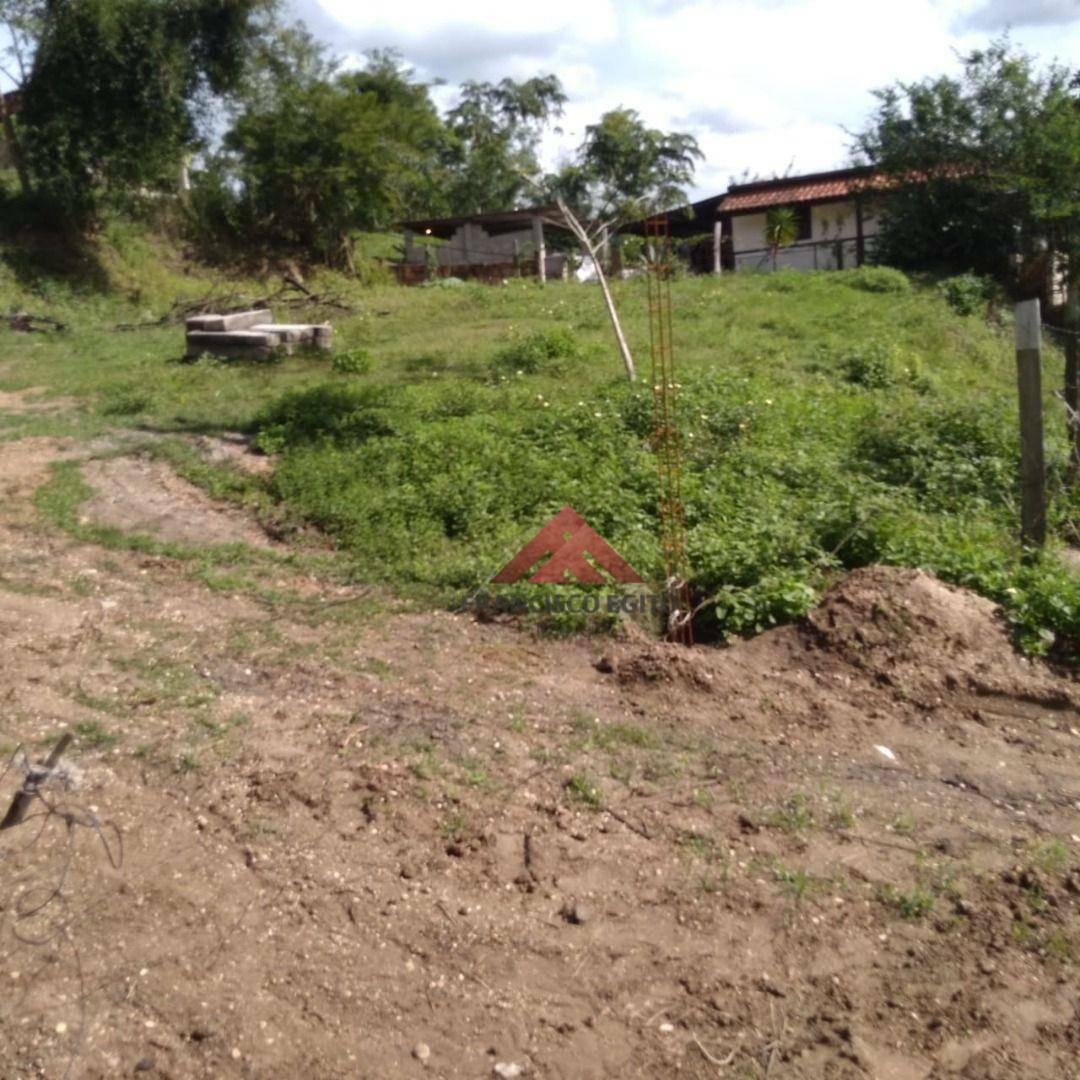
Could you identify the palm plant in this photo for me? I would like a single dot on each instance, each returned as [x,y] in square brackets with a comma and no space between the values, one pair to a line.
[781,229]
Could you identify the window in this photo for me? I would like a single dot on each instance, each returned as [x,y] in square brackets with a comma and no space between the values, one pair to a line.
[803,222]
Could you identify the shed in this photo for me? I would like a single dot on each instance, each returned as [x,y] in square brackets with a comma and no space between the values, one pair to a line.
[507,243]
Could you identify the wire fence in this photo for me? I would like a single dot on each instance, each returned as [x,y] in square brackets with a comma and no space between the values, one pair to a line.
[39,844]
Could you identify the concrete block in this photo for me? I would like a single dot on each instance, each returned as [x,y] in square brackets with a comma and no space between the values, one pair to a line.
[231,344]
[239,320]
[286,332]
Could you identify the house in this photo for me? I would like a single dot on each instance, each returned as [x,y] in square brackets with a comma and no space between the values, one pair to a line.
[835,213]
[510,243]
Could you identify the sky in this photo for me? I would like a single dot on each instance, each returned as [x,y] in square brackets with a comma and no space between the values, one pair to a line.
[766,86]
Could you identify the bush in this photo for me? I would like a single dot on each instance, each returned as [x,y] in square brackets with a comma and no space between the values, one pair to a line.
[967,294]
[538,352]
[869,367]
[354,362]
[874,279]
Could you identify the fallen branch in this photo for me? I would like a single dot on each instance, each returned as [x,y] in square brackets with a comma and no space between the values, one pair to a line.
[26,323]
[181,310]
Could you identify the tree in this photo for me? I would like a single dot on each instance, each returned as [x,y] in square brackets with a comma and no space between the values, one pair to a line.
[314,155]
[985,174]
[113,90]
[781,230]
[623,171]
[494,131]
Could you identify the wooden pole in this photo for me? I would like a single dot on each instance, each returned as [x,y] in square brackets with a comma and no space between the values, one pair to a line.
[1032,454]
[860,236]
[541,251]
[717,246]
[587,245]
[1072,375]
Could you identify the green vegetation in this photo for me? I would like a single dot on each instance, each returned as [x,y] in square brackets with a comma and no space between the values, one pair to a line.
[829,421]
[914,904]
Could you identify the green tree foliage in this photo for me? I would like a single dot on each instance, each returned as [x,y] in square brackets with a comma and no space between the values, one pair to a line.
[313,155]
[494,131]
[625,169]
[986,165]
[115,89]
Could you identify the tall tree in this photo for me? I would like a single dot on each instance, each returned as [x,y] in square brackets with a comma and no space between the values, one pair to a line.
[625,170]
[986,176]
[495,130]
[314,155]
[114,90]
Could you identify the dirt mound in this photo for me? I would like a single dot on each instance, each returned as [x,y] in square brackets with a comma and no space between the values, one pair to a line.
[907,629]
[146,496]
[659,663]
[895,615]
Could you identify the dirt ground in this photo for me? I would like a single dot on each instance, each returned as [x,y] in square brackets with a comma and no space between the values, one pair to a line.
[330,837]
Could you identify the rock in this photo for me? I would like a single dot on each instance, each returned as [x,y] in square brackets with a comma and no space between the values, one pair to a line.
[576,913]
[507,1070]
[987,966]
[422,1053]
[144,1064]
[605,664]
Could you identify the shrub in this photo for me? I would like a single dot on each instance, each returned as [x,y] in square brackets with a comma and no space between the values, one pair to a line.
[327,413]
[967,294]
[354,362]
[874,279]
[538,352]
[869,367]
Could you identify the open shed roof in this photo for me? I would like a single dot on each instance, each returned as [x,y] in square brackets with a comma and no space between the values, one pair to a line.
[503,221]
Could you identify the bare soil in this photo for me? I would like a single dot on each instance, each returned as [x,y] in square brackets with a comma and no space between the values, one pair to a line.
[359,841]
[142,495]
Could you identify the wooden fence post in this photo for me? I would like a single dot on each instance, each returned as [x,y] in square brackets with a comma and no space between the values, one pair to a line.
[541,250]
[1032,454]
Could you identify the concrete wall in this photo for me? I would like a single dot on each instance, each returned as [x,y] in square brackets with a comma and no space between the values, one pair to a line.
[471,245]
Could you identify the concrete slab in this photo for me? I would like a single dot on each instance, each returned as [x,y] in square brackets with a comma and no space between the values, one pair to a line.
[231,343]
[238,320]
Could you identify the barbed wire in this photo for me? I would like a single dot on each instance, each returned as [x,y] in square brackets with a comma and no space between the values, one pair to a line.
[41,892]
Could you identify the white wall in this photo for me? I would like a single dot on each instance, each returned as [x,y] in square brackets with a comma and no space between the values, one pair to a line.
[828,222]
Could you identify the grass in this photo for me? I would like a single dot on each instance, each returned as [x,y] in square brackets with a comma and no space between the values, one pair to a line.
[828,421]
[913,904]
[583,789]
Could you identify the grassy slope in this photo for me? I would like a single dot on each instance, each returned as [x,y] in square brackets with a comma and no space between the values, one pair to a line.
[827,423]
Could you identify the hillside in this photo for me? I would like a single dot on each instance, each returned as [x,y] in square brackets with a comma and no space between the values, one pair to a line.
[830,421]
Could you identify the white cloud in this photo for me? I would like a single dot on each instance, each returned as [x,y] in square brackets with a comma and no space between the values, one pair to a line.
[997,14]
[763,84]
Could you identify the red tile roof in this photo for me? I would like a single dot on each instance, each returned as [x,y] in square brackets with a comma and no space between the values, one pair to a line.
[797,190]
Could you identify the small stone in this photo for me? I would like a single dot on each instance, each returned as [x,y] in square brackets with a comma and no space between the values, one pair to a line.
[507,1070]
[422,1053]
[144,1064]
[667,1028]
[577,914]
[987,966]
